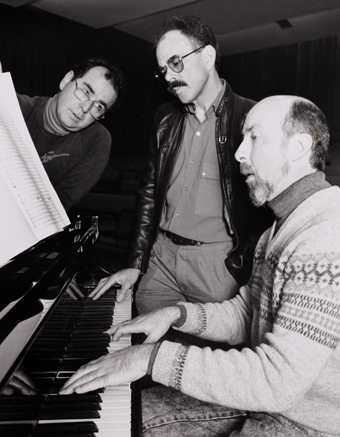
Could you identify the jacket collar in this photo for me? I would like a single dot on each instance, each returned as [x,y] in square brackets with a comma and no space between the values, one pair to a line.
[226,99]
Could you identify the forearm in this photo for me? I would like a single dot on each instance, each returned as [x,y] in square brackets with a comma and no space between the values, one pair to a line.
[228,321]
[271,378]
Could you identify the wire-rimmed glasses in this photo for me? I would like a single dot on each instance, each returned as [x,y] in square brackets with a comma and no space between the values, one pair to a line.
[97,109]
[175,63]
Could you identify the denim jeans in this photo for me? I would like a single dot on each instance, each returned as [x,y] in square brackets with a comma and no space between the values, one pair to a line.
[167,412]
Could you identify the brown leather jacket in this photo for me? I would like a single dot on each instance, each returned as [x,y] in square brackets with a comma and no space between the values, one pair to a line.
[248,222]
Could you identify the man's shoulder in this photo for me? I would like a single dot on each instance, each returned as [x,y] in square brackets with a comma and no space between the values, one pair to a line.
[244,102]
[29,104]
[168,110]
[234,104]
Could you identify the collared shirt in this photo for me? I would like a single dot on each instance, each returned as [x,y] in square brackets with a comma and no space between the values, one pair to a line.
[194,202]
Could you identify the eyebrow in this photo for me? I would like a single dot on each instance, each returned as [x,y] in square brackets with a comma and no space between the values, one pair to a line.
[92,92]
[250,128]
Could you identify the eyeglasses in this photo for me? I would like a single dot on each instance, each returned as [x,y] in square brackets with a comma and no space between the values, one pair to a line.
[97,110]
[175,63]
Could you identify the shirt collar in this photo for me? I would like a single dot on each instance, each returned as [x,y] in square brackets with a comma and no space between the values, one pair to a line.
[190,107]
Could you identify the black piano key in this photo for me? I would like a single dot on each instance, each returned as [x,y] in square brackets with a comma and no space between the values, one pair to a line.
[73,434]
[70,414]
[21,414]
[69,406]
[65,429]
[21,400]
[86,397]
[16,430]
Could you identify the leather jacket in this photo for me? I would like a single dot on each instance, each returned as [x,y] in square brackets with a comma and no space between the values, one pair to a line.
[247,222]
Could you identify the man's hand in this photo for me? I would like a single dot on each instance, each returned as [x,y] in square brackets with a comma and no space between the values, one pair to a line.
[126,278]
[73,290]
[154,324]
[117,368]
[20,383]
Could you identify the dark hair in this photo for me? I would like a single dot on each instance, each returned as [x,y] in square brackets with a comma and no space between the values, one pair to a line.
[114,75]
[198,32]
[305,117]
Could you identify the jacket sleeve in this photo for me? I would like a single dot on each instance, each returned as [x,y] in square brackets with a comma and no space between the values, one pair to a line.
[144,212]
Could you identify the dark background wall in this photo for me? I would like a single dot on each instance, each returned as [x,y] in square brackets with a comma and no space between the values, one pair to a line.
[39,49]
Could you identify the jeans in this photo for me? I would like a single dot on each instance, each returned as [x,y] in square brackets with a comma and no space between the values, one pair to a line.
[185,274]
[167,412]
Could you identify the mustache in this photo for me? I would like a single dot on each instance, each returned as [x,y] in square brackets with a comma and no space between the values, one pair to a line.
[246,169]
[175,84]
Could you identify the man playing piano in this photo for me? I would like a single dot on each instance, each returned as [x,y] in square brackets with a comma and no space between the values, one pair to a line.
[73,147]
[286,382]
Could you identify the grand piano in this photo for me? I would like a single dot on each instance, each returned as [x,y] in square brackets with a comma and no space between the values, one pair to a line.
[48,334]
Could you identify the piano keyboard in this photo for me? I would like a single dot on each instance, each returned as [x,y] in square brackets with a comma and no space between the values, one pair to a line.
[80,324]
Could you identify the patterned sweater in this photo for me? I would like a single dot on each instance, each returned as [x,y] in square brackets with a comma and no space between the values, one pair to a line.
[288,315]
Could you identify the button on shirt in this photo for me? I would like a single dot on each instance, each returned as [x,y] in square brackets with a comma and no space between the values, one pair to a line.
[194,202]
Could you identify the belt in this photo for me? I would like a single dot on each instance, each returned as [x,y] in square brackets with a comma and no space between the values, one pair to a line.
[181,241]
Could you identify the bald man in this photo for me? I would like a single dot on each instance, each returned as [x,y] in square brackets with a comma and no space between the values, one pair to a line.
[285,383]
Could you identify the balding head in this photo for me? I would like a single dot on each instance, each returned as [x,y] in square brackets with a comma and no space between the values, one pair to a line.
[285,138]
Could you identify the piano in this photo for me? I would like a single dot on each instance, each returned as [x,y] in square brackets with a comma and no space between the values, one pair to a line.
[49,334]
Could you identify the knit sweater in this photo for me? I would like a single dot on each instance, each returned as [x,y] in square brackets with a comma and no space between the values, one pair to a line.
[73,162]
[289,317]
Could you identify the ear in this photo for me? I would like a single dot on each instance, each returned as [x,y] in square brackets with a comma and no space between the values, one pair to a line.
[301,146]
[67,78]
[209,56]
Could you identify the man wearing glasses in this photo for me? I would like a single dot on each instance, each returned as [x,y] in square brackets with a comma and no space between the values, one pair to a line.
[73,147]
[195,228]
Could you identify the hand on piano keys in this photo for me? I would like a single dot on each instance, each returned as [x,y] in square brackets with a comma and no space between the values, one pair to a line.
[126,278]
[154,325]
[125,365]
[114,369]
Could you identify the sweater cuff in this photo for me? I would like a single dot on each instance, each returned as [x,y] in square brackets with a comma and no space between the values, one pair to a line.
[153,357]
[182,318]
[169,364]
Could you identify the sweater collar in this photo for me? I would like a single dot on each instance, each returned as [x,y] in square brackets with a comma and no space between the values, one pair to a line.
[285,203]
[51,121]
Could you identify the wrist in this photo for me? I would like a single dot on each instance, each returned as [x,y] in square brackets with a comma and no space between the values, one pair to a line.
[172,314]
[147,355]
[182,311]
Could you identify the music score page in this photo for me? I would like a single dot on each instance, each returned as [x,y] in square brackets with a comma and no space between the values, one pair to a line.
[30,208]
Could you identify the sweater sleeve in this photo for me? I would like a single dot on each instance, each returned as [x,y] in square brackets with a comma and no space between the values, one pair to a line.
[228,321]
[294,357]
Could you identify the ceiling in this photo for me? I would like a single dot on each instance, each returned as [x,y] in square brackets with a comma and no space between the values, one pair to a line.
[240,25]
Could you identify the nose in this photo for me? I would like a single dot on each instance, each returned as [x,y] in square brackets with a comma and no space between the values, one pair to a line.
[86,106]
[169,75]
[242,152]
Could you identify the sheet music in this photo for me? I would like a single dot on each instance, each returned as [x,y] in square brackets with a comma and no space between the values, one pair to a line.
[30,208]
